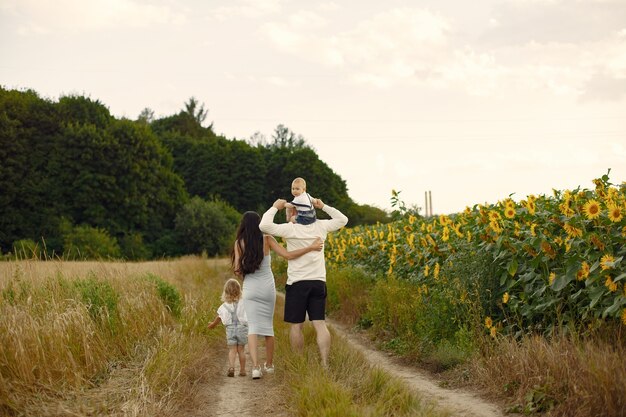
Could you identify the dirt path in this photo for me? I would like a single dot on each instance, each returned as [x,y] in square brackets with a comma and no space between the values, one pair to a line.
[243,396]
[460,403]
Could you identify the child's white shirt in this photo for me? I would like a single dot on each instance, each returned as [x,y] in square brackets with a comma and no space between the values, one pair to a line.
[304,198]
[224,311]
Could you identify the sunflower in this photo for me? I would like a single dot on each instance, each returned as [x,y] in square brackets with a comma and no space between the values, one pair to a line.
[493,332]
[572,231]
[612,286]
[607,262]
[412,219]
[583,272]
[624,316]
[488,322]
[551,277]
[505,298]
[509,212]
[592,209]
[615,213]
[530,205]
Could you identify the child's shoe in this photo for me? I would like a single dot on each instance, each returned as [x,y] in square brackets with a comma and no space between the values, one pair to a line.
[256,373]
[231,372]
[242,372]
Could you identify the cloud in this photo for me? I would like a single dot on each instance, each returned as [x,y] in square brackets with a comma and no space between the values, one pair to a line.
[32,17]
[249,9]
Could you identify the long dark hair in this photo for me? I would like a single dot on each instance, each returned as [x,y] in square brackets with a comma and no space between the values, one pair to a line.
[249,241]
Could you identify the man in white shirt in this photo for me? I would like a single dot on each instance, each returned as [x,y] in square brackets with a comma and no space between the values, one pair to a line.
[306,276]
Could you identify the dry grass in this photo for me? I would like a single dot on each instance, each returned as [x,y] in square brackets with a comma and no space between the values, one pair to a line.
[64,355]
[562,376]
[351,387]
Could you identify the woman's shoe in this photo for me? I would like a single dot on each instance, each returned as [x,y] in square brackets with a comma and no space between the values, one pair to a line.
[256,373]
[231,372]
[268,369]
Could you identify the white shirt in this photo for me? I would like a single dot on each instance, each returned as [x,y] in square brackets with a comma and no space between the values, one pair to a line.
[304,199]
[224,311]
[310,266]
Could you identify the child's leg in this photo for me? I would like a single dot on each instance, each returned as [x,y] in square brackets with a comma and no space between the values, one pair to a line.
[232,353]
[289,213]
[242,359]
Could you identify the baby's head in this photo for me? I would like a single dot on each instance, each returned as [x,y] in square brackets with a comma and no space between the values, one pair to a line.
[232,291]
[298,186]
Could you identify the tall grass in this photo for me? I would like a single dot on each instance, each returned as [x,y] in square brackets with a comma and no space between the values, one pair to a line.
[73,330]
[351,386]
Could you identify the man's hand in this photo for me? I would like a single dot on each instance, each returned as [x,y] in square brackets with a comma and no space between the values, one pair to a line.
[317,203]
[279,204]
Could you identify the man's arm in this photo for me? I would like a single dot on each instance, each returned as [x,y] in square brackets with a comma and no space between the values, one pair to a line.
[337,220]
[268,226]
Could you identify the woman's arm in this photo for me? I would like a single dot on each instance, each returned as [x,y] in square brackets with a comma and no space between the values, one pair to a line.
[236,257]
[318,245]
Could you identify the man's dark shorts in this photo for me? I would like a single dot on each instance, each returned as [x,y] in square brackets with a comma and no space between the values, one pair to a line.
[305,297]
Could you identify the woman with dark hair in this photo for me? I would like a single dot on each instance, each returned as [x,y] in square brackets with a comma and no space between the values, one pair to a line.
[251,261]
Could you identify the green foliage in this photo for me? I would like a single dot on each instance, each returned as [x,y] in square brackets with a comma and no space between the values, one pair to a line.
[73,160]
[100,299]
[27,249]
[86,242]
[168,294]
[206,226]
[133,247]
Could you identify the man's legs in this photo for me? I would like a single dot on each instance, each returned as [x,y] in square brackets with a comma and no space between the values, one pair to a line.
[323,340]
[296,336]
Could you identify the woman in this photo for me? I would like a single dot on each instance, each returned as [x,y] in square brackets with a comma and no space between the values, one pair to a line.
[251,261]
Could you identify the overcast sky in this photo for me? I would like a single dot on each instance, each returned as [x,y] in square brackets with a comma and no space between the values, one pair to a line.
[472,100]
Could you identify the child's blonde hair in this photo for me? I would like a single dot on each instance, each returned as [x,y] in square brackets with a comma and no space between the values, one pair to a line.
[232,291]
[301,181]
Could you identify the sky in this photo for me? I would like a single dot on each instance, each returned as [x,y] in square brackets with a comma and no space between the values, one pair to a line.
[470,100]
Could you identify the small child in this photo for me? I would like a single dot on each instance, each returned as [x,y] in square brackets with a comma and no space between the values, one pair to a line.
[232,314]
[301,209]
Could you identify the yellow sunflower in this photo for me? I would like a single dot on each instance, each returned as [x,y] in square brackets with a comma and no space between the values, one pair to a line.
[592,209]
[488,322]
[505,298]
[605,261]
[493,332]
[572,231]
[615,213]
[583,272]
[509,212]
[551,277]
[624,316]
[612,286]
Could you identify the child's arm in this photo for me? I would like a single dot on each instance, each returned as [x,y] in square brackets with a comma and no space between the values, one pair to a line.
[215,322]
[318,245]
[289,211]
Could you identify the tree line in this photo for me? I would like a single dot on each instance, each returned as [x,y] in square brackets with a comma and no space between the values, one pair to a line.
[77,182]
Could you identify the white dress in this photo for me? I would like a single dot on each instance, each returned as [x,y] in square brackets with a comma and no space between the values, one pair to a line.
[259,298]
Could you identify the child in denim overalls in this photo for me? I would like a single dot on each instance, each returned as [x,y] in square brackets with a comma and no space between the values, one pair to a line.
[232,314]
[301,209]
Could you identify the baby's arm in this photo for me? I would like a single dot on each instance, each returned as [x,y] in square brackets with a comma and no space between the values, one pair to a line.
[215,322]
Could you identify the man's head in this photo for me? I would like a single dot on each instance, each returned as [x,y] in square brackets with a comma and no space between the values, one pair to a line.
[298,186]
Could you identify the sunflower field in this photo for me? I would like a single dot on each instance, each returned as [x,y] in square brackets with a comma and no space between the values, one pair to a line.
[534,265]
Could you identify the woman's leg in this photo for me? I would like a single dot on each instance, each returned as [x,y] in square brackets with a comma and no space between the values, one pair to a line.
[253,344]
[269,350]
